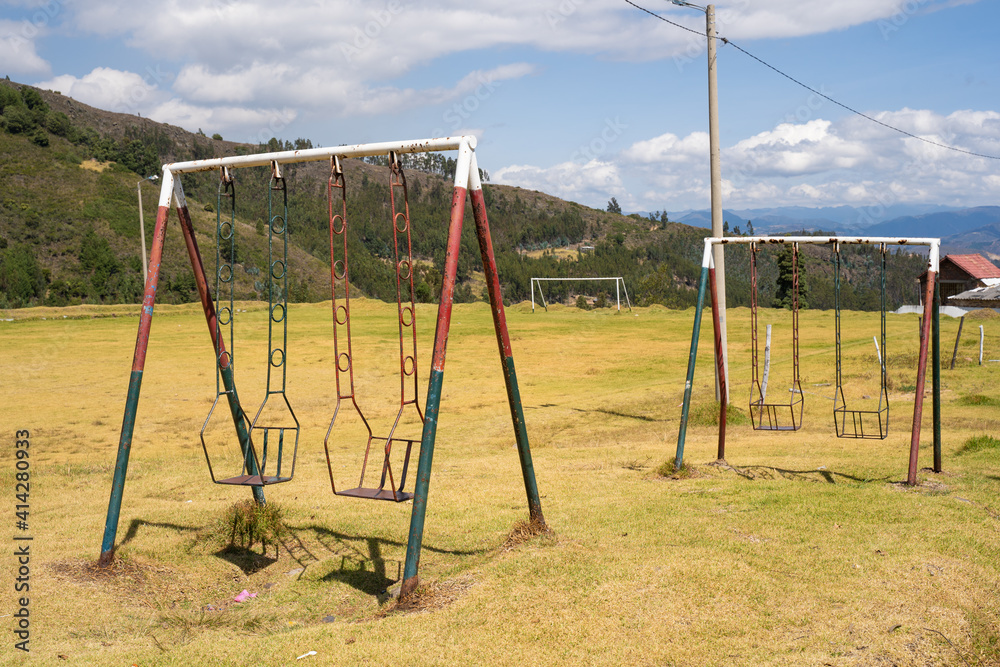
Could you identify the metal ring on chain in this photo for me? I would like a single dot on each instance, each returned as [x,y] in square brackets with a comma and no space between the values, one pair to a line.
[278,312]
[404,270]
[226,273]
[340,270]
[226,231]
[409,365]
[225,359]
[342,314]
[277,269]
[344,362]
[278,225]
[225,316]
[406,223]
[406,316]
[277,357]
[343,224]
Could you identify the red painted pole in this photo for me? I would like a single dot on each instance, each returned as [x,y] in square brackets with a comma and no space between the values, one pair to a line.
[134,386]
[506,356]
[918,402]
[720,364]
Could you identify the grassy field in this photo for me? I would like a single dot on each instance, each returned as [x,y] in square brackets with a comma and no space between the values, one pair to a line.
[802,549]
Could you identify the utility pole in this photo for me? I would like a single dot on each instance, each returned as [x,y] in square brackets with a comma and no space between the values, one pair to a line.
[142,227]
[716,177]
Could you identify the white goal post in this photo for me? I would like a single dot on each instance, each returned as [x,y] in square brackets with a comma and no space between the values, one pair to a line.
[619,288]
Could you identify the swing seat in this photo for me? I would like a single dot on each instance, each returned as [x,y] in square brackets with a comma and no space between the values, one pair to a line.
[380,492]
[253,480]
[862,424]
[772,416]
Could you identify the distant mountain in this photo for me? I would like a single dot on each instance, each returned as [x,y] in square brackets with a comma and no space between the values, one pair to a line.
[984,240]
[827,218]
[943,224]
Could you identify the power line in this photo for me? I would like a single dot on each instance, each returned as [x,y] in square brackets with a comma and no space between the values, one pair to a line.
[824,96]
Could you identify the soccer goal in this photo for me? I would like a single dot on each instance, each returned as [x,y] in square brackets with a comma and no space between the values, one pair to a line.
[619,289]
[781,415]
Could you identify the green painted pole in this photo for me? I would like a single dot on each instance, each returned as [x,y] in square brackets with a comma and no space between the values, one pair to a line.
[503,341]
[134,386]
[692,357]
[432,405]
[936,370]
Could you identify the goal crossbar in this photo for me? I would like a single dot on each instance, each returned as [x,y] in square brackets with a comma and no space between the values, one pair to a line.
[619,287]
[929,334]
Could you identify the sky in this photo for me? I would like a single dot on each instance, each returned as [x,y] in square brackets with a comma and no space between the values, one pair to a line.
[582,99]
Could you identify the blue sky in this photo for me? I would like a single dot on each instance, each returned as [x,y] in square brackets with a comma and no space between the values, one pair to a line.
[584,99]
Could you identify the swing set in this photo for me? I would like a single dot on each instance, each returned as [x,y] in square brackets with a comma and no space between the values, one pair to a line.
[787,416]
[267,445]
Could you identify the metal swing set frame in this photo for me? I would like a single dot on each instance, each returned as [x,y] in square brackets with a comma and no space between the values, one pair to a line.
[929,344]
[467,184]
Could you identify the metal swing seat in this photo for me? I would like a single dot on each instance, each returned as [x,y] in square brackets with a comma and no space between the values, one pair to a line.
[387,487]
[270,465]
[861,424]
[765,416]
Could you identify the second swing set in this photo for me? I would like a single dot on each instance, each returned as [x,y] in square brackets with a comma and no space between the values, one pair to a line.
[787,416]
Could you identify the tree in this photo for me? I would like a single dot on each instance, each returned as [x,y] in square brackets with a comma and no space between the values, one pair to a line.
[613,206]
[783,295]
[749,228]
[725,226]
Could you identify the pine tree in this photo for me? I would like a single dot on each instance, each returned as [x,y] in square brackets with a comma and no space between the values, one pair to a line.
[783,294]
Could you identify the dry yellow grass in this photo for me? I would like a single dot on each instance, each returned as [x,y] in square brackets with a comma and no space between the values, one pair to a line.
[803,549]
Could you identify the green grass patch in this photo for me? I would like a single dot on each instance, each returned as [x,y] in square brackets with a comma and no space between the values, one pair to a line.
[979,400]
[978,443]
[670,469]
[707,414]
[246,523]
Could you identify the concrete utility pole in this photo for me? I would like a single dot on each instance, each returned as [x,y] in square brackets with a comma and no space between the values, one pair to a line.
[716,176]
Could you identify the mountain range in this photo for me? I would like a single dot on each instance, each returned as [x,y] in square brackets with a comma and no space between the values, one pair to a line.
[961,230]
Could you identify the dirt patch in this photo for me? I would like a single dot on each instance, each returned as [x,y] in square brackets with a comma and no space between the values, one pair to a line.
[123,576]
[430,597]
[984,314]
[94,165]
[523,531]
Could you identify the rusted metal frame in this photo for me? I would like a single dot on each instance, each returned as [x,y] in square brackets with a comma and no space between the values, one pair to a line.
[918,403]
[135,379]
[720,365]
[706,263]
[503,343]
[340,275]
[406,316]
[755,389]
[436,379]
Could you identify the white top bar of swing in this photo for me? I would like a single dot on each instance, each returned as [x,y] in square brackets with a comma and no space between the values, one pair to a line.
[317,154]
[616,278]
[933,244]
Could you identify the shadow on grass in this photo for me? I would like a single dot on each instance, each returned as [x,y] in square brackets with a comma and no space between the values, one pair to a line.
[133,529]
[247,560]
[829,476]
[362,563]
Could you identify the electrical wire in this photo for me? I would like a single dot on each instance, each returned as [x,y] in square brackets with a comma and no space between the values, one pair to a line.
[814,91]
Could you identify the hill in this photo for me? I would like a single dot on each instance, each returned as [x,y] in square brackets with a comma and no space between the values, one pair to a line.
[69,229]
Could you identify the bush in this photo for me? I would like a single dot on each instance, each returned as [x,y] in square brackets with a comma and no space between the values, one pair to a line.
[978,443]
[246,523]
[581,303]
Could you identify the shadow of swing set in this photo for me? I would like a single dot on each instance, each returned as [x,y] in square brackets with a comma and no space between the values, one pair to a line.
[772,415]
[268,442]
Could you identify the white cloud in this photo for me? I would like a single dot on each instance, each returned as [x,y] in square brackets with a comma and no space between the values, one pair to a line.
[815,163]
[111,89]
[18,52]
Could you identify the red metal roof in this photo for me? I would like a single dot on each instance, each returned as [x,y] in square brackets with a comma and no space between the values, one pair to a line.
[976,266]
